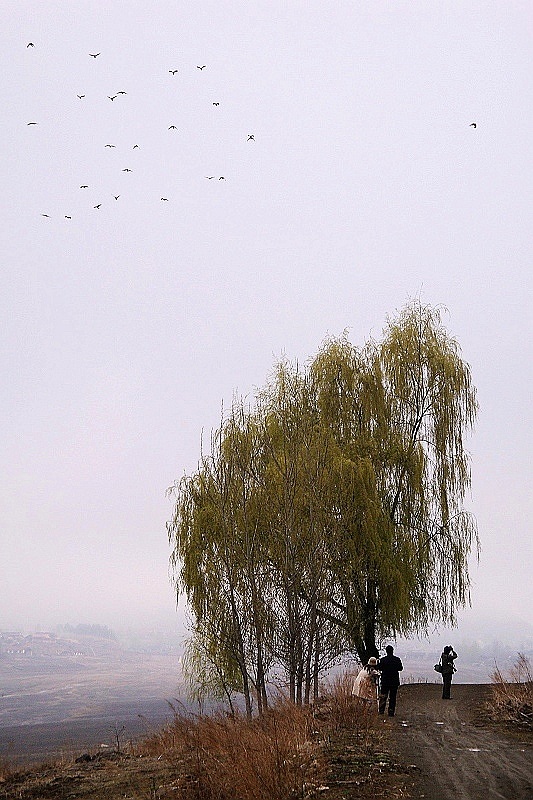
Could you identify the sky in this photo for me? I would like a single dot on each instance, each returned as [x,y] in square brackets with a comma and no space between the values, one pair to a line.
[129,323]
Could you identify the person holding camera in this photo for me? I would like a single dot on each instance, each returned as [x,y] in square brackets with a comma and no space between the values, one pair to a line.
[364,686]
[448,668]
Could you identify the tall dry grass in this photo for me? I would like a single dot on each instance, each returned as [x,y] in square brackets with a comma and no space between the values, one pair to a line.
[221,757]
[340,709]
[275,757]
[512,697]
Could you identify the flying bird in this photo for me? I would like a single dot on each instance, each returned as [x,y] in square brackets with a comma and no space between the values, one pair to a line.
[30,44]
[164,198]
[122,93]
[84,186]
[109,145]
[173,71]
[209,177]
[94,55]
[203,67]
[97,206]
[112,98]
[251,136]
[67,217]
[81,96]
[127,170]
[33,123]
[216,104]
[222,178]
[116,196]
[134,146]
[172,128]
[472,125]
[45,215]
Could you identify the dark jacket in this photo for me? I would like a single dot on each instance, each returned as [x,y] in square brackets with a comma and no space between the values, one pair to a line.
[390,667]
[447,660]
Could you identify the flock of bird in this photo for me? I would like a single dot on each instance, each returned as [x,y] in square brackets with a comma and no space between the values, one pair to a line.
[113,97]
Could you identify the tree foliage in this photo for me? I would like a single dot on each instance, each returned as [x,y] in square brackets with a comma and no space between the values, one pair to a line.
[330,513]
[399,410]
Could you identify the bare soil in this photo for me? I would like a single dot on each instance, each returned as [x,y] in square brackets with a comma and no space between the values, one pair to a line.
[434,749]
[108,777]
[452,750]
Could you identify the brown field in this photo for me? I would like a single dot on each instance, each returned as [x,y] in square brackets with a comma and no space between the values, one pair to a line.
[56,706]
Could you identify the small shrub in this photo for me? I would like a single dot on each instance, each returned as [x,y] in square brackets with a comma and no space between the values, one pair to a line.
[512,698]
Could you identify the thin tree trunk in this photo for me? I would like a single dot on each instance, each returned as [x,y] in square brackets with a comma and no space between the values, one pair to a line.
[262,700]
[292,661]
[240,655]
[300,666]
[316,666]
[309,653]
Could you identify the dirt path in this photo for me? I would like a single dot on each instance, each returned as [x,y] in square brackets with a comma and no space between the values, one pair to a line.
[456,755]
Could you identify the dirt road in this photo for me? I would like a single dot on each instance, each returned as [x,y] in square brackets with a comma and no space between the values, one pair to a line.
[457,756]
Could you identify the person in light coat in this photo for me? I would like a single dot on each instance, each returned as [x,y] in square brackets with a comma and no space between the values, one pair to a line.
[364,685]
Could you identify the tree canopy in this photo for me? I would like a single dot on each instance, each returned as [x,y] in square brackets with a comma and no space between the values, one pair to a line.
[329,513]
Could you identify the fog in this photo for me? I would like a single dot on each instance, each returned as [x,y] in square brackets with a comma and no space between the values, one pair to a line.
[128,326]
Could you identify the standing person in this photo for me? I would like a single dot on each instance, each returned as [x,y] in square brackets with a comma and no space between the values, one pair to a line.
[390,667]
[364,685]
[448,668]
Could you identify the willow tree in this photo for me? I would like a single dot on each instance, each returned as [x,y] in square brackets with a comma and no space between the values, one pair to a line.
[218,562]
[297,475]
[399,535]
[249,549]
[331,512]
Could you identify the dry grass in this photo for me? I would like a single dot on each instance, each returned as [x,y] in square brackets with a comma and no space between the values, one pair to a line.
[275,757]
[512,697]
[343,710]
[221,757]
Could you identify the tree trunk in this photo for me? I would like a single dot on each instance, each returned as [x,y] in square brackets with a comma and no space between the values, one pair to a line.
[310,651]
[262,701]
[292,658]
[316,667]
[240,655]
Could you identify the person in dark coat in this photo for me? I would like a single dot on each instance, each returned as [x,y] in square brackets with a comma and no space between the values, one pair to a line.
[390,667]
[448,668]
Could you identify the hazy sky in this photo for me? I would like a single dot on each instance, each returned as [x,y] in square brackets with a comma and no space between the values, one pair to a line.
[126,327]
